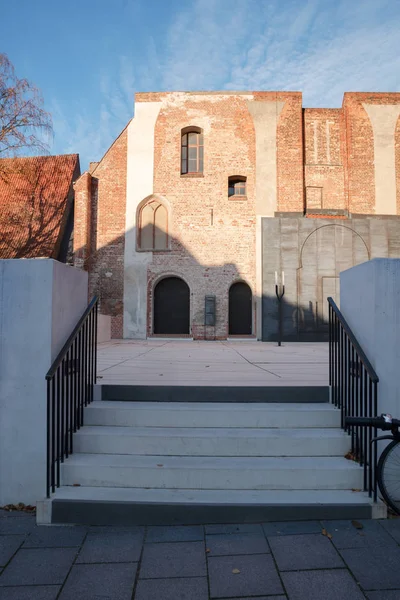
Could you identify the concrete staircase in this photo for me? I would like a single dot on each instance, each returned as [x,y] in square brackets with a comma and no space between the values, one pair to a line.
[185,462]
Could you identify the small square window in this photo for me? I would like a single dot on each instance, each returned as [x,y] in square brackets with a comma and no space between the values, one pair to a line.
[236,186]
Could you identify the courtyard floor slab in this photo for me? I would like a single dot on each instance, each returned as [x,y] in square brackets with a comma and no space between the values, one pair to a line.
[203,363]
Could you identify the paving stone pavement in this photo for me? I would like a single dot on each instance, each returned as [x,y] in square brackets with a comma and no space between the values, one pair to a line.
[309,560]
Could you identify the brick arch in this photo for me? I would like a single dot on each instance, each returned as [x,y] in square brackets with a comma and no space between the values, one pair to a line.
[191,129]
[241,280]
[170,273]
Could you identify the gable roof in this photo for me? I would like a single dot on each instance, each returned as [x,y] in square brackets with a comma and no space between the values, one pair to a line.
[36,199]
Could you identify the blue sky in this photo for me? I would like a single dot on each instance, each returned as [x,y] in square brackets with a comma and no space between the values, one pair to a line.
[89,58]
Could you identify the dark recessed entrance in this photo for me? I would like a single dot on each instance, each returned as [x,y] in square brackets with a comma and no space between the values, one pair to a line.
[240,309]
[171,307]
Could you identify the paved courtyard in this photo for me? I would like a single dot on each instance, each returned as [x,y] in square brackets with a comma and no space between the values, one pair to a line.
[331,560]
[163,362]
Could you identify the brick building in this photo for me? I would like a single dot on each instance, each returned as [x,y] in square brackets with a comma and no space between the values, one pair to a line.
[37,206]
[203,196]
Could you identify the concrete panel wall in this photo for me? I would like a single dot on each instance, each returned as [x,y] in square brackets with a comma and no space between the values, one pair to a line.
[370,302]
[37,313]
[313,253]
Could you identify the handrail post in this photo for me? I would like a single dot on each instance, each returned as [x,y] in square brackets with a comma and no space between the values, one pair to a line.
[69,384]
[354,390]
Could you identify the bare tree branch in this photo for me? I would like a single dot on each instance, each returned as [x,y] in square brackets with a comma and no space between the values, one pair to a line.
[23,121]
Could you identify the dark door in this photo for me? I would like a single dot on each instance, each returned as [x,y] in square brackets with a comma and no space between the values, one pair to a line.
[240,309]
[171,306]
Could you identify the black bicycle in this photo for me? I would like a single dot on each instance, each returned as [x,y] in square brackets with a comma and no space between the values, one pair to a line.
[388,469]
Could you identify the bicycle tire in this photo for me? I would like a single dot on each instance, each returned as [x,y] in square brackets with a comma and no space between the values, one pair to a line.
[388,475]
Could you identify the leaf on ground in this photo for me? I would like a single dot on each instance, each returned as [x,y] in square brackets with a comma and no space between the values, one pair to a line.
[328,535]
[357,525]
[351,456]
[356,490]
[21,507]
[76,485]
[208,550]
[235,571]
[160,465]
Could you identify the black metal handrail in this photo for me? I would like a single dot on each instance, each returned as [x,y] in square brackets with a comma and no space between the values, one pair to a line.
[354,390]
[70,382]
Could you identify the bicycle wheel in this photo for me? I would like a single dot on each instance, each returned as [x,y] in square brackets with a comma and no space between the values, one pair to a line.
[389,475]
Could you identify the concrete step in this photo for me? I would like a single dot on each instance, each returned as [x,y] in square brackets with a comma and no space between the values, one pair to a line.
[238,415]
[179,441]
[135,506]
[218,473]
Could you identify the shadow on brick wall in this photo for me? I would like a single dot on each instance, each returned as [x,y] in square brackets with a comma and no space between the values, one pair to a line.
[106,279]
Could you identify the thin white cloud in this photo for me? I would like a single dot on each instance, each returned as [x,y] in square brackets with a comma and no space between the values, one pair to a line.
[356,56]
[320,48]
[91,133]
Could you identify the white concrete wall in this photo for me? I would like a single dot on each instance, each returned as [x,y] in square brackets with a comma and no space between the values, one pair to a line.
[103,328]
[40,302]
[70,285]
[139,185]
[370,302]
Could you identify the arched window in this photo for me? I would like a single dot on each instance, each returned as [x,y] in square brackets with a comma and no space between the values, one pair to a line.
[153,226]
[192,150]
[237,186]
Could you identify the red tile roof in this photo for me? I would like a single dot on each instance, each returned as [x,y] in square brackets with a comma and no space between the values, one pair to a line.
[35,200]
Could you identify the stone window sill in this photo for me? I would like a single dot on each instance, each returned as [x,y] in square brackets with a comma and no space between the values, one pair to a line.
[158,250]
[191,175]
[237,198]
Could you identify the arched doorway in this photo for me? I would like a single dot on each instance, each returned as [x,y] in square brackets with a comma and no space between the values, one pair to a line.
[171,307]
[240,309]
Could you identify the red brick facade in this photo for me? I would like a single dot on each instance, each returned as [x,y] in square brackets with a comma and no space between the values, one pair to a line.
[99,232]
[324,165]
